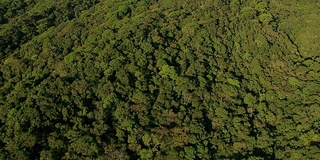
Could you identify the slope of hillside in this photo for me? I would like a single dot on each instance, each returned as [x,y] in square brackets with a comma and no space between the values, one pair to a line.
[159,79]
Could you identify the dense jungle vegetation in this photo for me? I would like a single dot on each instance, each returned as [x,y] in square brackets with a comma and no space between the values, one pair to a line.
[159,79]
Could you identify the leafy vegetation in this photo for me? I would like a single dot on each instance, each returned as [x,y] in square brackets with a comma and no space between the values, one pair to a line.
[163,79]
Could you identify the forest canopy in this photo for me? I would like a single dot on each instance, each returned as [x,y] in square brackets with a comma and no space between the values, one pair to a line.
[159,79]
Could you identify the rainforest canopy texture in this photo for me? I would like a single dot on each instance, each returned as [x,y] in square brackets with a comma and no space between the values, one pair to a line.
[159,79]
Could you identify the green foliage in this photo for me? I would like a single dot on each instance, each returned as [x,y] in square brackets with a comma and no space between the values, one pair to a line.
[167,71]
[293,81]
[162,79]
[233,82]
[265,18]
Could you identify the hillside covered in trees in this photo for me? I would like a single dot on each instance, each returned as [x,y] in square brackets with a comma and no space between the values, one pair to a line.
[159,79]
